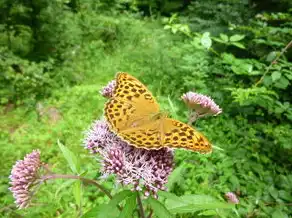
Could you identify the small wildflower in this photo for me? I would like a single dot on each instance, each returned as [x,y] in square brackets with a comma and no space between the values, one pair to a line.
[24,176]
[202,104]
[232,198]
[108,90]
[146,170]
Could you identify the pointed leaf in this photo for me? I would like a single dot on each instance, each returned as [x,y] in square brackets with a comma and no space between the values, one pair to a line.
[238,44]
[224,37]
[236,38]
[70,158]
[129,207]
[193,203]
[158,208]
[77,192]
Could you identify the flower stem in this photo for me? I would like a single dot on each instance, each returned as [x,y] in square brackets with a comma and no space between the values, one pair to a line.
[192,117]
[150,213]
[274,62]
[141,210]
[85,180]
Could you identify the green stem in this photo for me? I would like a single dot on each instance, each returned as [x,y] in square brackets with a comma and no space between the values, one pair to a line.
[273,62]
[141,210]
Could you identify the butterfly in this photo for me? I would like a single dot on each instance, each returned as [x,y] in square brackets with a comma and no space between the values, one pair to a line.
[134,115]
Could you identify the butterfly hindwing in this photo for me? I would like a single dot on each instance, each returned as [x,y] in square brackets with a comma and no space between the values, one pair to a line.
[132,114]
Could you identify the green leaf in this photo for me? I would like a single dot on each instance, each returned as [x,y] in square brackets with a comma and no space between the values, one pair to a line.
[208,213]
[279,214]
[70,158]
[194,203]
[101,211]
[236,38]
[238,44]
[129,207]
[267,80]
[176,175]
[121,196]
[206,41]
[285,195]
[224,37]
[158,208]
[271,56]
[77,192]
[273,192]
[112,205]
[276,75]
[168,195]
[282,83]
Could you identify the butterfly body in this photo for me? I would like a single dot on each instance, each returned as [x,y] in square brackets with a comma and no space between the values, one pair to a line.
[134,115]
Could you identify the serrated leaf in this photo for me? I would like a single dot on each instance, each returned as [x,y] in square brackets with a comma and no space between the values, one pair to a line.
[158,208]
[129,207]
[276,75]
[236,38]
[206,41]
[70,158]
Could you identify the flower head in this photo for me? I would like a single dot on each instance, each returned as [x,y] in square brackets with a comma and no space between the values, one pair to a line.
[232,198]
[202,104]
[143,169]
[108,90]
[24,176]
[98,136]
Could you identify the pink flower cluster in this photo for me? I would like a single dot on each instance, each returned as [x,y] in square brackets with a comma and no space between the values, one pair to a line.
[201,104]
[108,90]
[24,176]
[232,198]
[143,169]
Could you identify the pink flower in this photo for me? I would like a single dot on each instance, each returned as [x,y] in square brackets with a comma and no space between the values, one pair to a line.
[24,176]
[202,104]
[142,169]
[108,90]
[232,198]
[98,136]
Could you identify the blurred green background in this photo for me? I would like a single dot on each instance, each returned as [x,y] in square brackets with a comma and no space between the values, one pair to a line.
[55,55]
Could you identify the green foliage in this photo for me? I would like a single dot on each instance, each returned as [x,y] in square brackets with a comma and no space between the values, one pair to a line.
[56,55]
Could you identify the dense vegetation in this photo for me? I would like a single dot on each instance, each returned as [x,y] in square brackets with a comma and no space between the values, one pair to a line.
[57,54]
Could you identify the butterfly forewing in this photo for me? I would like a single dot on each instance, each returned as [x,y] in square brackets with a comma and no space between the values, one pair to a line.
[133,114]
[180,135]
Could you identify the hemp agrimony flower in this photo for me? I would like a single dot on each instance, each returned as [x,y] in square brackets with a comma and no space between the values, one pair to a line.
[142,169]
[201,104]
[24,177]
